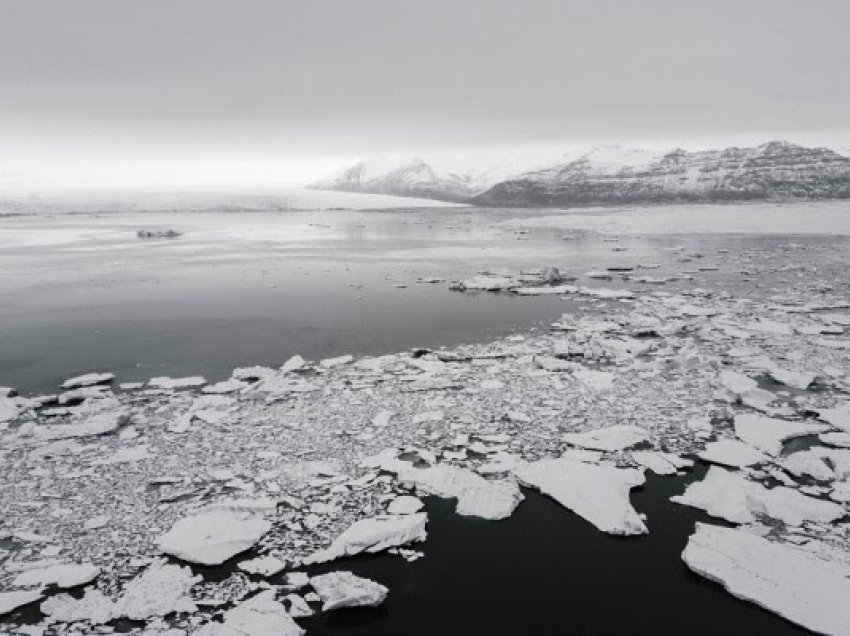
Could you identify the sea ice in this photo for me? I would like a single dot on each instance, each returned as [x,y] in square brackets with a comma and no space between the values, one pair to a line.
[260,615]
[728,495]
[730,452]
[768,434]
[63,575]
[264,566]
[89,379]
[212,537]
[838,416]
[784,579]
[598,493]
[344,589]
[661,463]
[612,438]
[405,505]
[373,535]
[476,496]
[10,601]
[97,424]
[176,383]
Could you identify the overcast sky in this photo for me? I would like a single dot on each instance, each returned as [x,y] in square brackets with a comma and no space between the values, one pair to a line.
[285,90]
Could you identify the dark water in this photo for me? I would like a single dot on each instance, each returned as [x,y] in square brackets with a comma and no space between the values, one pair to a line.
[544,570]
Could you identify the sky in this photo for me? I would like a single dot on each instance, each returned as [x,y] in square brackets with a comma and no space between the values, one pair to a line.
[283,92]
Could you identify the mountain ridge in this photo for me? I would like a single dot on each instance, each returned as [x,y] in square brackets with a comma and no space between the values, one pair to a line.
[612,175]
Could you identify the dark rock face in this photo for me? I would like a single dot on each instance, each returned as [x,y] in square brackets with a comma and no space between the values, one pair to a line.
[775,170]
[412,179]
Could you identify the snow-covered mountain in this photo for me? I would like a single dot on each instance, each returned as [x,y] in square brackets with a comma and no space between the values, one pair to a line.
[611,176]
[455,178]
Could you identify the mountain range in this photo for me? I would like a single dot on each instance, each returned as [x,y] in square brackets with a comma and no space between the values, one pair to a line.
[611,175]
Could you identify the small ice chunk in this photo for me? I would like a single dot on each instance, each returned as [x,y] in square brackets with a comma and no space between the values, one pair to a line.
[260,615]
[89,379]
[784,579]
[63,575]
[212,537]
[10,601]
[298,607]
[177,383]
[661,463]
[808,463]
[345,589]
[613,438]
[838,416]
[842,440]
[730,452]
[263,566]
[405,505]
[728,495]
[225,386]
[94,425]
[294,363]
[373,535]
[94,607]
[162,589]
[330,363]
[597,492]
[768,434]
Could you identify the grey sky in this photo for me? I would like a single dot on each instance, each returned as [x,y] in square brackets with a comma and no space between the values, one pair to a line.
[321,79]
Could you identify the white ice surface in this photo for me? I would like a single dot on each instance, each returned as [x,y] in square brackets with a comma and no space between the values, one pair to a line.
[782,578]
[598,493]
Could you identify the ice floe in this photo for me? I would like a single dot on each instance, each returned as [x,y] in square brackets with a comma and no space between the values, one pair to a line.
[787,580]
[731,452]
[768,434]
[374,535]
[613,438]
[730,496]
[345,589]
[476,496]
[260,615]
[214,536]
[598,493]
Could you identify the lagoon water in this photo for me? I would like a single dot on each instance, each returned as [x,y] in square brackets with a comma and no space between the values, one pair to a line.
[80,292]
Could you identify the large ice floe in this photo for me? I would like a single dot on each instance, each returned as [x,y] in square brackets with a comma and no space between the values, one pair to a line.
[213,536]
[598,493]
[730,496]
[793,582]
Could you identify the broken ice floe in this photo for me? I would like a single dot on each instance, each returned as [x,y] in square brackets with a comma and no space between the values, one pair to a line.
[730,496]
[476,496]
[792,582]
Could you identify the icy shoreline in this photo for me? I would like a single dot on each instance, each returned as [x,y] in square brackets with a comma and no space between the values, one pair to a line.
[290,460]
